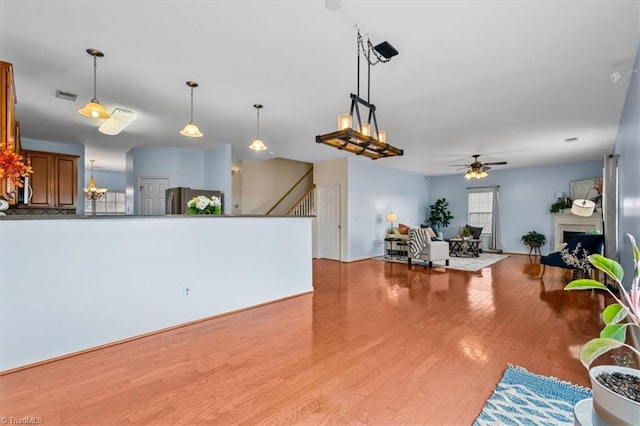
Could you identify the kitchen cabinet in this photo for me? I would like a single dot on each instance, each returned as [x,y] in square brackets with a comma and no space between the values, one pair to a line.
[8,124]
[54,182]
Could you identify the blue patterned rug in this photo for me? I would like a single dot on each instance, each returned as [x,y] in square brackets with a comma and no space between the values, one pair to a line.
[524,398]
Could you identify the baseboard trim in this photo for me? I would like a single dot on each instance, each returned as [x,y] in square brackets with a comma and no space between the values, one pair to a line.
[151,333]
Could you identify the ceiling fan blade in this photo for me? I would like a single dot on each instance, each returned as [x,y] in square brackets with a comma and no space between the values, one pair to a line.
[485,167]
[498,163]
[458,165]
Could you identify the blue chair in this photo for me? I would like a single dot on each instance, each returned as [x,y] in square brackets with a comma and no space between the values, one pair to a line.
[591,243]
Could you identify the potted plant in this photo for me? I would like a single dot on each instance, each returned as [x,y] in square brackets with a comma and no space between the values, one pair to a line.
[616,389]
[559,205]
[439,215]
[533,239]
[466,233]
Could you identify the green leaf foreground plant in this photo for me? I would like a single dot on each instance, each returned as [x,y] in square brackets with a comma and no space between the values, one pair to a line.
[627,306]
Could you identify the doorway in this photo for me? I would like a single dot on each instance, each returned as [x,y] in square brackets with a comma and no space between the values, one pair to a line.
[151,197]
[329,222]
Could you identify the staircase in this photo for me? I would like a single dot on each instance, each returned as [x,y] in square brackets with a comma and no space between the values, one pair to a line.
[305,205]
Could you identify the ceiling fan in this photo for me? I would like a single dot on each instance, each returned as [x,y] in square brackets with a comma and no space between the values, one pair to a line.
[478,169]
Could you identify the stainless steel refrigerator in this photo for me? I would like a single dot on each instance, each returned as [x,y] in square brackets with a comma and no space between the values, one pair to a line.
[177,198]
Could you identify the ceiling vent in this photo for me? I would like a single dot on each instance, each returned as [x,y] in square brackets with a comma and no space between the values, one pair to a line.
[571,140]
[67,96]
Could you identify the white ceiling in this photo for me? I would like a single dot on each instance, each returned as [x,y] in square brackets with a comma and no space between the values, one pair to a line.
[509,80]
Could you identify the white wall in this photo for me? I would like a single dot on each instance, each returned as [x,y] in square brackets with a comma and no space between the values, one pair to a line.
[525,197]
[72,284]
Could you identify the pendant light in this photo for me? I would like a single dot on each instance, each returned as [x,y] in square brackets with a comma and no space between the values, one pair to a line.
[191,130]
[93,109]
[92,192]
[257,144]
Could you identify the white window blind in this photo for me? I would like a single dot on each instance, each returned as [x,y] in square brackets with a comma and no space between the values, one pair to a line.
[480,208]
[112,203]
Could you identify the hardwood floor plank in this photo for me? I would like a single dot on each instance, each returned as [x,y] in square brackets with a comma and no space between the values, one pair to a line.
[376,343]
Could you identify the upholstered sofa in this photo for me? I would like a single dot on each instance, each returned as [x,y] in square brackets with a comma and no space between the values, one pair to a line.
[580,245]
[424,246]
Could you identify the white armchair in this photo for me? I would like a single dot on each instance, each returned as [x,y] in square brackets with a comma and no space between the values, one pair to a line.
[422,248]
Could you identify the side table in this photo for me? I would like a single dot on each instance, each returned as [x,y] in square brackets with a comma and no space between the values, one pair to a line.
[459,247]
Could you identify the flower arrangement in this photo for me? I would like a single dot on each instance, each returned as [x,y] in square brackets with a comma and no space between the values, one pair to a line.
[627,306]
[204,205]
[12,167]
[578,258]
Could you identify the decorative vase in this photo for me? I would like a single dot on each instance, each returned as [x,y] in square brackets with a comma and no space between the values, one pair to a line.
[609,407]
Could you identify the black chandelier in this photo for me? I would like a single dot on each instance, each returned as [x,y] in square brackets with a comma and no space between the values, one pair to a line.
[359,139]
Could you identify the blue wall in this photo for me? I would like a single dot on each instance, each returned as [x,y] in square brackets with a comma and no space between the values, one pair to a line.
[525,197]
[113,181]
[217,173]
[374,191]
[628,148]
[183,167]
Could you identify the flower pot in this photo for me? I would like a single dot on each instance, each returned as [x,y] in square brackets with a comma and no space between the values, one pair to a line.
[611,408]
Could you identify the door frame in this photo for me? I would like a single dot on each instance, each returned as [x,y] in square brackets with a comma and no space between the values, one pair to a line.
[138,192]
[321,193]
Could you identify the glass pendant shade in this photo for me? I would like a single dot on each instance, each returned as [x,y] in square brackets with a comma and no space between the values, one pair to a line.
[365,129]
[191,131]
[93,109]
[258,145]
[344,121]
[382,136]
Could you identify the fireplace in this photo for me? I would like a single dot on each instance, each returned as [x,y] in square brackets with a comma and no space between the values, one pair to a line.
[568,222]
[566,235]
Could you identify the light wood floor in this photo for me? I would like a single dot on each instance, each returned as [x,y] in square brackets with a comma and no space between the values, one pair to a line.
[376,343]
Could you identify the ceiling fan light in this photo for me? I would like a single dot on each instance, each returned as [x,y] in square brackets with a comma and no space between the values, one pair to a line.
[93,109]
[191,131]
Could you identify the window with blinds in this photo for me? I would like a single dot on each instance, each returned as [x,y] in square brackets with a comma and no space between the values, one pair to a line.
[480,208]
[112,203]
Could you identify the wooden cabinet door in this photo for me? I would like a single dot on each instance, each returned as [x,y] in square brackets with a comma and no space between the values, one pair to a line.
[66,181]
[40,181]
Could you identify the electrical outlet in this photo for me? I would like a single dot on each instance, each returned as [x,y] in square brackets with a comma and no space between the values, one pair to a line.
[186,291]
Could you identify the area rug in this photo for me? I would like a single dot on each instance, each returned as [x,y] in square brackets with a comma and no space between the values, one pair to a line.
[524,398]
[460,263]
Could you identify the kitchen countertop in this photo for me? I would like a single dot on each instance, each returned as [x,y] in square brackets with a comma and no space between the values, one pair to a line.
[98,217]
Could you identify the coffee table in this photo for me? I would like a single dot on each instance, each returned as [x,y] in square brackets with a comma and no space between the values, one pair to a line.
[459,247]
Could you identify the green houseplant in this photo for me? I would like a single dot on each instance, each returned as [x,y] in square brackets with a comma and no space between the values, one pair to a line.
[439,214]
[559,205]
[616,389]
[533,239]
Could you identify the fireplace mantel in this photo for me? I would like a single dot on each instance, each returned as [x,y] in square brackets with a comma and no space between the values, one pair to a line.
[571,222]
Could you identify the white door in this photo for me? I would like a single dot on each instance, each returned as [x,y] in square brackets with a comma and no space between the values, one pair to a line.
[329,225]
[151,197]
